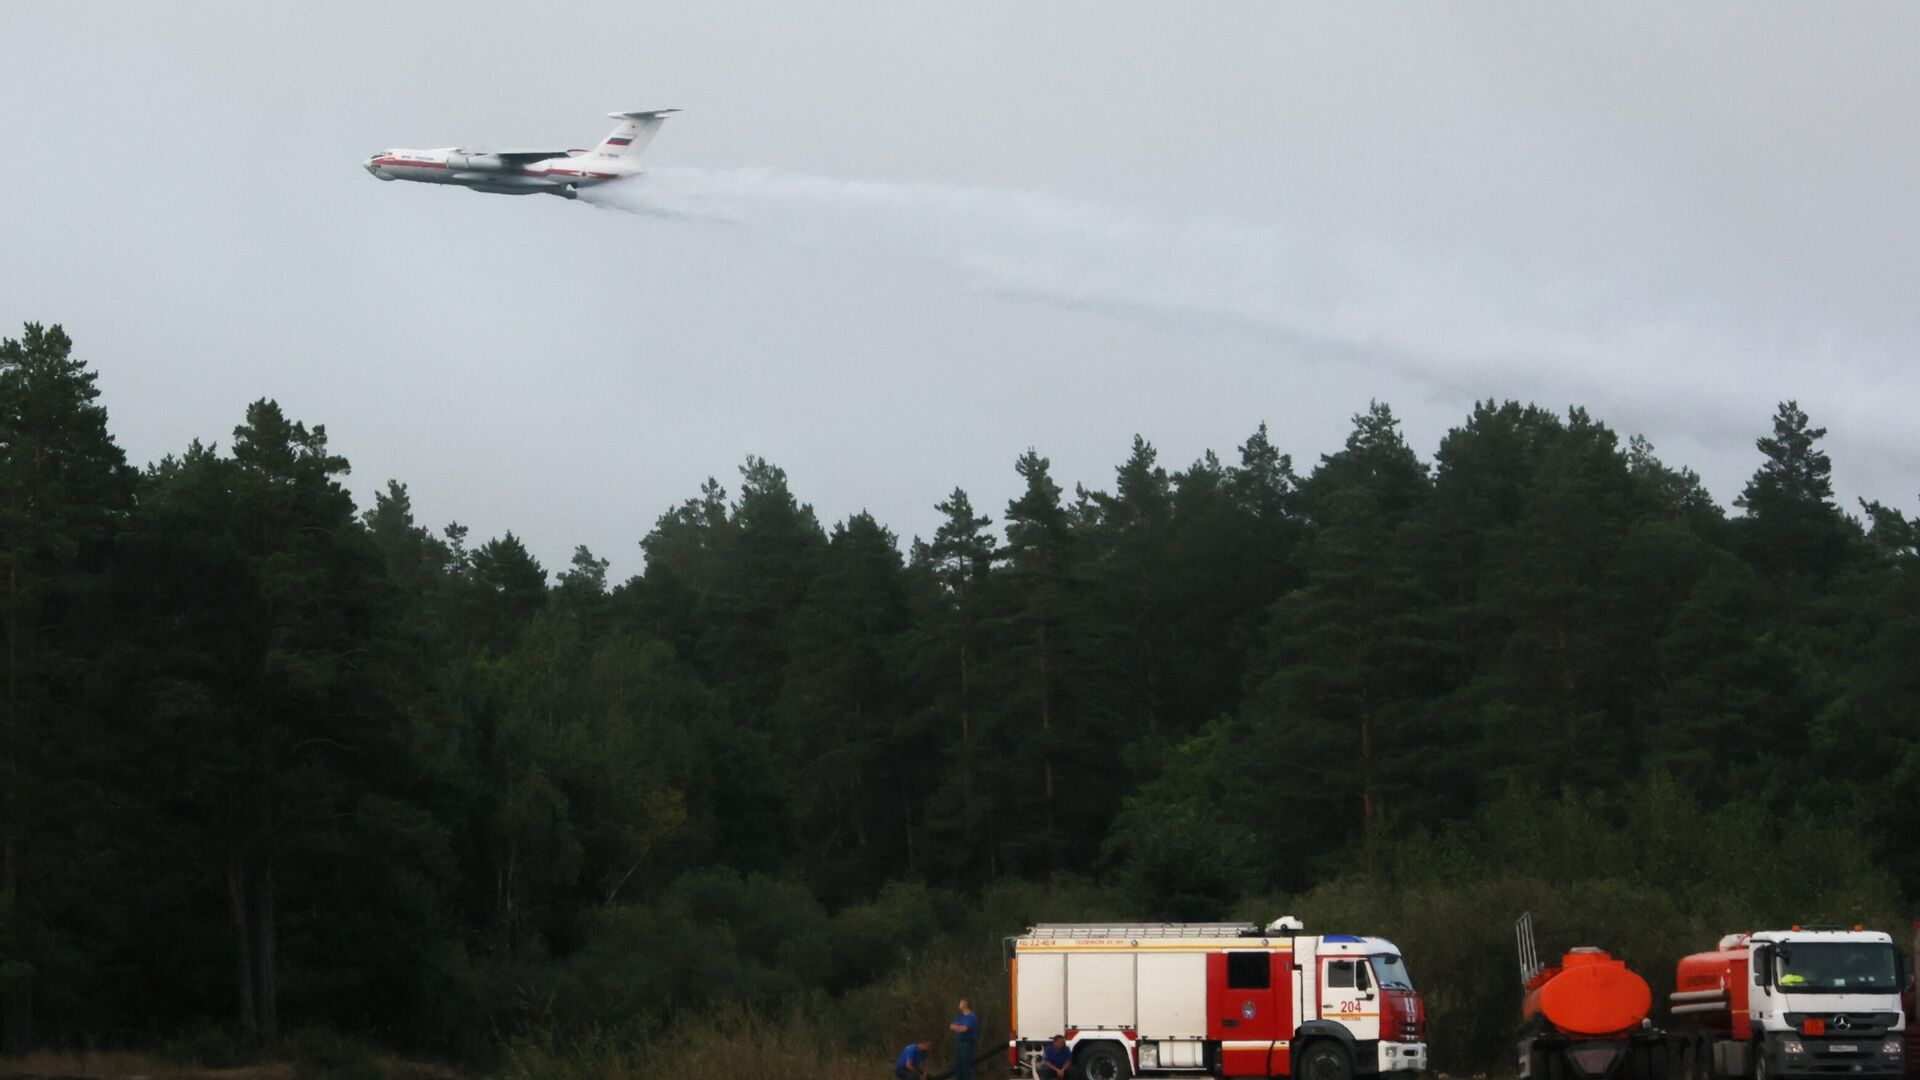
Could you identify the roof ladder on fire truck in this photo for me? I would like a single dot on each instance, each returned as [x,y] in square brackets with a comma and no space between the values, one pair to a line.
[1072,931]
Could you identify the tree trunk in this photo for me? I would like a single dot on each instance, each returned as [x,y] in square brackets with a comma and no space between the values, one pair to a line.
[16,1003]
[250,898]
[1366,761]
[966,700]
[906,817]
[1046,724]
[242,943]
[18,1021]
[266,998]
[966,734]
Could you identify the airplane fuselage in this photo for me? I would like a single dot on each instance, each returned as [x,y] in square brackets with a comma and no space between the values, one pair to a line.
[481,171]
[528,172]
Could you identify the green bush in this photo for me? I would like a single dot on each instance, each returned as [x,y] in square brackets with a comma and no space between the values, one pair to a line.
[323,1054]
[210,1046]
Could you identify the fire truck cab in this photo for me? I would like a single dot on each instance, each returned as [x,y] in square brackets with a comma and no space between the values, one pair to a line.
[1214,999]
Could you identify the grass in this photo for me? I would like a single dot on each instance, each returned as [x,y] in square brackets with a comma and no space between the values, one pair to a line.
[129,1065]
[126,1065]
[725,1048]
[814,1037]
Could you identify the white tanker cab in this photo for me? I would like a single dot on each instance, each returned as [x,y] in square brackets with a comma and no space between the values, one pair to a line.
[1214,999]
[1814,1001]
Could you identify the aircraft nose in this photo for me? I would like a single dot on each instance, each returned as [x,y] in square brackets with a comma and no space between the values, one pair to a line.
[370,167]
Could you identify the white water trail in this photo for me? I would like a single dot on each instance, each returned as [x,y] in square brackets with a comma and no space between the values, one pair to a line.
[1468,325]
[1026,245]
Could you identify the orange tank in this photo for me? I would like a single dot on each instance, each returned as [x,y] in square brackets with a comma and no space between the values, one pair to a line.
[1724,969]
[1590,994]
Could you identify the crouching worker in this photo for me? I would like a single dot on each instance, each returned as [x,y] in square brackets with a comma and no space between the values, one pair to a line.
[1056,1059]
[912,1062]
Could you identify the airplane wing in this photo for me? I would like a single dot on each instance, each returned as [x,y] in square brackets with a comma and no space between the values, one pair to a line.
[523,157]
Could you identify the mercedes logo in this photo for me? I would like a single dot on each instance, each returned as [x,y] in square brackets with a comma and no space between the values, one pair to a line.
[1841,1022]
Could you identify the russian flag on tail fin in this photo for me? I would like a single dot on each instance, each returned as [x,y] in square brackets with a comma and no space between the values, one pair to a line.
[635,131]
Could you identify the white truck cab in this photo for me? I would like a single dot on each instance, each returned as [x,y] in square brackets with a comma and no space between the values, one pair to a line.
[1826,1002]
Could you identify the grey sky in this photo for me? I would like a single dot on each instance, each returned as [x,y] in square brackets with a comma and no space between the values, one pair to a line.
[953,232]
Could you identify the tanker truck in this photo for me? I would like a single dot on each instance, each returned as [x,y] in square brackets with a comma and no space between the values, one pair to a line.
[1585,1018]
[1909,992]
[1813,1001]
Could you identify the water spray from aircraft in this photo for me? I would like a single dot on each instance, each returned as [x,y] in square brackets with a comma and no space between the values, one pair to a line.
[1462,325]
[1307,290]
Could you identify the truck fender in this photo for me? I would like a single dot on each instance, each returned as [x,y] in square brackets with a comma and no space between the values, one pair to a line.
[1320,1029]
[1315,1030]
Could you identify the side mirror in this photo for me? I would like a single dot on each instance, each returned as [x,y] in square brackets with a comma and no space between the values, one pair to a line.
[1763,965]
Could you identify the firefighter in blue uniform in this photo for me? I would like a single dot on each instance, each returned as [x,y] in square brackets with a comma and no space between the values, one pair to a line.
[966,1032]
[1056,1059]
[912,1062]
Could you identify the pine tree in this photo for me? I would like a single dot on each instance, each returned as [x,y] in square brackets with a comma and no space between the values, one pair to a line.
[64,493]
[840,716]
[947,582]
[265,614]
[961,553]
[672,597]
[1032,595]
[510,587]
[1124,637]
[1792,525]
[1354,653]
[767,558]
[1559,688]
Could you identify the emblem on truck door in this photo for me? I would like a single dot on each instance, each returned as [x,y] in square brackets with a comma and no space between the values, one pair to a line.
[1247,1011]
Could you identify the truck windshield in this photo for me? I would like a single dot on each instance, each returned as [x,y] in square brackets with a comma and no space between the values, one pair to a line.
[1835,967]
[1391,972]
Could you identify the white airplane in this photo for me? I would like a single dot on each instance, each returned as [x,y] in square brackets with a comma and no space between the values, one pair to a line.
[528,172]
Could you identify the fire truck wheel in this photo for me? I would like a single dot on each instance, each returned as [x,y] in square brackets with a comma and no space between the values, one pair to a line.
[1761,1070]
[1102,1061]
[1325,1060]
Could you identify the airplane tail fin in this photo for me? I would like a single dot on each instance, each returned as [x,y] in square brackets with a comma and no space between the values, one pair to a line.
[636,130]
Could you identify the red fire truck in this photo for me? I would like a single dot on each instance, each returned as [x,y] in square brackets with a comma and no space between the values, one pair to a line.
[1214,999]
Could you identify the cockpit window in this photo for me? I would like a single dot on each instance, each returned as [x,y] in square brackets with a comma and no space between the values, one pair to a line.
[1835,967]
[1391,972]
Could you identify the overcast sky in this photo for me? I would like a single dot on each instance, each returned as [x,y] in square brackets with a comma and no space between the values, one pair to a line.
[892,245]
